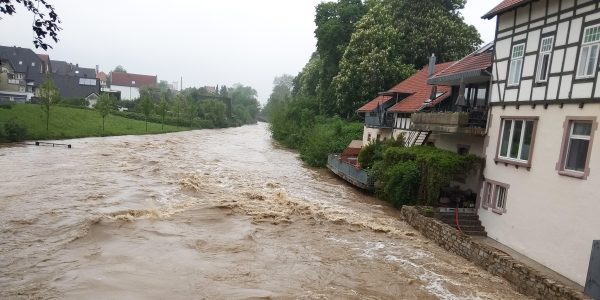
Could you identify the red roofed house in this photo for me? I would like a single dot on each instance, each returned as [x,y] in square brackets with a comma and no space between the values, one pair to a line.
[388,115]
[129,84]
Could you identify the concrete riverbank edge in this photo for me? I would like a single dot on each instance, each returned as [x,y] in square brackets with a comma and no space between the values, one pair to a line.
[527,280]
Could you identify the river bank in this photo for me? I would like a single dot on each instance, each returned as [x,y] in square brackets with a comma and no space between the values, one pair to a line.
[208,214]
[67,123]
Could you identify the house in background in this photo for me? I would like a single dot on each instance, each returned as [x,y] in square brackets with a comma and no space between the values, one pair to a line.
[73,87]
[21,74]
[540,195]
[64,68]
[129,84]
[389,114]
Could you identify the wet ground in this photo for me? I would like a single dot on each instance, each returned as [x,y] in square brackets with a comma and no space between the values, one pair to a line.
[211,214]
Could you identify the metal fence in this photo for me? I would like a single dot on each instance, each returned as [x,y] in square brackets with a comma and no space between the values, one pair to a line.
[592,285]
[348,172]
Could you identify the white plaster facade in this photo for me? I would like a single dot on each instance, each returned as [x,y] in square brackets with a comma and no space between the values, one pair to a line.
[127,93]
[370,135]
[548,216]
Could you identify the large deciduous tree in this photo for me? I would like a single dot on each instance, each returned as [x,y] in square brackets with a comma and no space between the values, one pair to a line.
[146,106]
[394,38]
[45,20]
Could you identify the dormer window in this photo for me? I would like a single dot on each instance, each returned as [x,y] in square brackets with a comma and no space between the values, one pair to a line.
[516,64]
[20,62]
[545,58]
[33,64]
[588,59]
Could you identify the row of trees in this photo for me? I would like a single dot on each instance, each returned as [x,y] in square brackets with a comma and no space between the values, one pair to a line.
[194,108]
[364,47]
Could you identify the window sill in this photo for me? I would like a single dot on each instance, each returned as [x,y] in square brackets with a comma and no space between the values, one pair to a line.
[498,211]
[512,162]
[579,175]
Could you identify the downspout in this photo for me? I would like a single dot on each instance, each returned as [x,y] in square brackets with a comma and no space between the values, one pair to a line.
[489,101]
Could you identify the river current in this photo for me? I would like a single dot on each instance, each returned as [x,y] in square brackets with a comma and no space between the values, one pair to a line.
[209,214]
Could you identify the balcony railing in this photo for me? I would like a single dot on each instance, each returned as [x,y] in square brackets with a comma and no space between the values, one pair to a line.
[473,122]
[352,174]
[379,121]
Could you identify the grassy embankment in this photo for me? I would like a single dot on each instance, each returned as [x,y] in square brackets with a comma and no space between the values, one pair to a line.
[74,123]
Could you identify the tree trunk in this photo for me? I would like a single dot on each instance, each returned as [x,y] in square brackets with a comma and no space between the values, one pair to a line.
[146,119]
[103,124]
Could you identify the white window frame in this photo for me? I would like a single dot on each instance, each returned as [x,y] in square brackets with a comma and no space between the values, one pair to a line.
[572,137]
[521,140]
[494,196]
[545,52]
[499,197]
[516,59]
[589,45]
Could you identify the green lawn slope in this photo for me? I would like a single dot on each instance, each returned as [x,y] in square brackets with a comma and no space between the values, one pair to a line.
[75,123]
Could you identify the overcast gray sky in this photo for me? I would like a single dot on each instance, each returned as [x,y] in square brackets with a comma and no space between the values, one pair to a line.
[206,42]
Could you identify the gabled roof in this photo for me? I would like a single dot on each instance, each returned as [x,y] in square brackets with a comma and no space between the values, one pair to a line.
[132,80]
[504,6]
[24,60]
[474,67]
[102,76]
[69,86]
[373,104]
[419,90]
[64,68]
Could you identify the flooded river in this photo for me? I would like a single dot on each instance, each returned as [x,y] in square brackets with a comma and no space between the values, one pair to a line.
[211,214]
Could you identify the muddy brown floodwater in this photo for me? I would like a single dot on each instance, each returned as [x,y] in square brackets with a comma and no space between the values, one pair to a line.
[212,214]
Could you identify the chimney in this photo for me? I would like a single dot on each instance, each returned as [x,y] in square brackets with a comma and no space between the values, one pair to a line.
[97,69]
[432,60]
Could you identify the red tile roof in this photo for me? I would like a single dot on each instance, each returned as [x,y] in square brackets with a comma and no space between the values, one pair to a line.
[102,76]
[420,91]
[473,62]
[45,58]
[371,106]
[132,80]
[504,6]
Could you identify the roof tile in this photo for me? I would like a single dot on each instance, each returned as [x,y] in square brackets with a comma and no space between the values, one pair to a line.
[132,80]
[504,6]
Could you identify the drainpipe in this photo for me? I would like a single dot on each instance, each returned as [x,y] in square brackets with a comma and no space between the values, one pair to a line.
[432,62]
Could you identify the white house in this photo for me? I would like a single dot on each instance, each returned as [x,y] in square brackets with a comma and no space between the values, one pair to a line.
[129,84]
[540,194]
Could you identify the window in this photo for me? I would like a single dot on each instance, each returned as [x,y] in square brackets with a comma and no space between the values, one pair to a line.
[544,59]
[494,196]
[577,144]
[500,197]
[369,137]
[516,139]
[588,58]
[87,81]
[516,64]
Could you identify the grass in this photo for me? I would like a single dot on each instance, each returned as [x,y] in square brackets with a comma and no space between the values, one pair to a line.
[68,123]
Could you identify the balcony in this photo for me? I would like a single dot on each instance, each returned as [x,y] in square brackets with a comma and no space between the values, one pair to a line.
[379,121]
[349,172]
[472,123]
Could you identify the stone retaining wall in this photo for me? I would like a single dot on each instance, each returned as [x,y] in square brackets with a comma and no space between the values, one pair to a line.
[526,280]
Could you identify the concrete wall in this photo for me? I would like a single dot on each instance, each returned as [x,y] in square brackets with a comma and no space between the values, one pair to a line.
[526,280]
[549,217]
[127,93]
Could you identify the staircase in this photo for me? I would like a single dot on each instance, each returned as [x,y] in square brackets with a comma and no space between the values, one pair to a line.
[469,222]
[417,138]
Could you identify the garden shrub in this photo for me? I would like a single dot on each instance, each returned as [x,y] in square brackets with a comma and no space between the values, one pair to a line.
[15,131]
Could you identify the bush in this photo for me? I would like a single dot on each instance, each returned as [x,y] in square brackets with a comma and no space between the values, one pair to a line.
[395,174]
[330,136]
[15,131]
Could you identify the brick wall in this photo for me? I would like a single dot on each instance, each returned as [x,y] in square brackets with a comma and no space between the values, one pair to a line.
[525,279]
